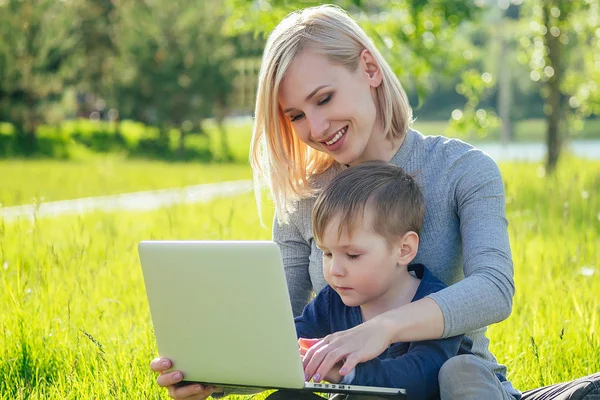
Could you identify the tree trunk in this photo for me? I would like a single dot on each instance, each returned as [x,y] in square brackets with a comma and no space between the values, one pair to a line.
[220,112]
[25,127]
[553,101]
[181,149]
[504,91]
[224,140]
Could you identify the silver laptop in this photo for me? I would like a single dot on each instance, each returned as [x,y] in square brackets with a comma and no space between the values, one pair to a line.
[222,314]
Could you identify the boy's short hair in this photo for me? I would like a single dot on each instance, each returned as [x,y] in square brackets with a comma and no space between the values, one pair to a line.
[393,195]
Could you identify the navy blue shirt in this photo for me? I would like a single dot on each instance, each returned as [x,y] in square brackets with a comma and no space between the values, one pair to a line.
[413,366]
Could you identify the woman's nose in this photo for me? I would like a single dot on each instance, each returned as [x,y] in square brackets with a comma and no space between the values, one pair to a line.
[318,125]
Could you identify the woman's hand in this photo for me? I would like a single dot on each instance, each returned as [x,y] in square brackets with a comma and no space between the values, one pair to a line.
[333,376]
[171,381]
[413,322]
[342,351]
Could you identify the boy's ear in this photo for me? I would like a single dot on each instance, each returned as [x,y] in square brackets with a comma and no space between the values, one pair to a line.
[407,247]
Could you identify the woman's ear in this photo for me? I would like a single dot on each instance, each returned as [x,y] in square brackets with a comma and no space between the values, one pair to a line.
[407,247]
[370,66]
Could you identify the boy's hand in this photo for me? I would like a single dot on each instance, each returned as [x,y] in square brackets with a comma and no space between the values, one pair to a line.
[333,376]
[306,344]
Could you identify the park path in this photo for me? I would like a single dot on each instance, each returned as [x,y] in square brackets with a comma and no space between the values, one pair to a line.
[137,201]
[150,200]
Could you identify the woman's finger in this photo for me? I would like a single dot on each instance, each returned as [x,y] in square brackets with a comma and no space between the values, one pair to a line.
[169,379]
[160,364]
[313,359]
[352,360]
[329,361]
[194,391]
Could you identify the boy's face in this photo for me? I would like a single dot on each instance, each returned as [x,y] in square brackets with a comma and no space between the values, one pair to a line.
[362,268]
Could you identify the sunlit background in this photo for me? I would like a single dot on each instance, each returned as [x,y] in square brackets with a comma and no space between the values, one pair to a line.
[103,99]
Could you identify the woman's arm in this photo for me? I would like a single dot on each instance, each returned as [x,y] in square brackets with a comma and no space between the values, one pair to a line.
[416,370]
[417,321]
[295,252]
[484,296]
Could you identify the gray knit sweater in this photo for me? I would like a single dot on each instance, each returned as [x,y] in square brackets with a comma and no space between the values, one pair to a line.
[464,240]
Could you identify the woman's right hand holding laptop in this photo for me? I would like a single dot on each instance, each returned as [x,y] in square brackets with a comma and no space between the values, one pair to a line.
[170,380]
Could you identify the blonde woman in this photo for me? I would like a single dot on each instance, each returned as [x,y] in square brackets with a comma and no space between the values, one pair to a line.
[328,100]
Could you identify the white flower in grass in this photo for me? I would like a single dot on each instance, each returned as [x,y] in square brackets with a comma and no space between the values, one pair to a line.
[587,270]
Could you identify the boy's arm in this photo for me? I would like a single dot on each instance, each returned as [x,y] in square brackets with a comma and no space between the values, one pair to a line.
[314,322]
[416,370]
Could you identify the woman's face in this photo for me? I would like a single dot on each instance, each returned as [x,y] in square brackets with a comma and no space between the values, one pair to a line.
[333,109]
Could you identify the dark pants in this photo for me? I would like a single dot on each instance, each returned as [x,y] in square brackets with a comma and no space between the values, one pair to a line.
[296,395]
[586,388]
[465,377]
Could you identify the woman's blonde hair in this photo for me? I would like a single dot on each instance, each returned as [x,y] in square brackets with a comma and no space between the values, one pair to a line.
[278,158]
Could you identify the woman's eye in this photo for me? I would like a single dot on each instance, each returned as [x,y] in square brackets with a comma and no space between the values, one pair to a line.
[296,117]
[325,100]
[353,256]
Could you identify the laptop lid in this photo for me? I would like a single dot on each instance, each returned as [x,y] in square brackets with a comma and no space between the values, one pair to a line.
[221,311]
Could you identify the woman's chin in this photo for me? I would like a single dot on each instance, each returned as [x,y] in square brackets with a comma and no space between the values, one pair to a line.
[346,158]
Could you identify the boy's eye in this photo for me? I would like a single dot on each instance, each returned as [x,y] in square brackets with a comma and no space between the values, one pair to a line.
[325,100]
[353,256]
[326,255]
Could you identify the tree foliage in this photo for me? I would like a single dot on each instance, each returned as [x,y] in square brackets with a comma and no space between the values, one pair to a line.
[560,42]
[36,60]
[173,63]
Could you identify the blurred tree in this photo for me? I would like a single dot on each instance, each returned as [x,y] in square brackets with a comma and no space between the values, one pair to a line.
[417,37]
[94,61]
[36,52]
[175,64]
[423,41]
[560,42]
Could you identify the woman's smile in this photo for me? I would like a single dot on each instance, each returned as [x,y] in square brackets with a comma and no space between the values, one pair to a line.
[337,140]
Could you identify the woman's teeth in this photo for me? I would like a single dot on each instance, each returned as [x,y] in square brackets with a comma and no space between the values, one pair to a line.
[337,136]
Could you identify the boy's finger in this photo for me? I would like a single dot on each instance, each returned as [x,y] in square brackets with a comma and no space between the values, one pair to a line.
[307,343]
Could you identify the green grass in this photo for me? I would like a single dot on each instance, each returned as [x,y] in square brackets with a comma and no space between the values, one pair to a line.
[32,181]
[74,321]
[26,181]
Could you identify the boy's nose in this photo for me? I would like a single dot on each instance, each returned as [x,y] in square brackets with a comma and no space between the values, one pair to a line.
[336,268]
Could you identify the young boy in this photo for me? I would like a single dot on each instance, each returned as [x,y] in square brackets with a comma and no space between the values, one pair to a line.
[367,223]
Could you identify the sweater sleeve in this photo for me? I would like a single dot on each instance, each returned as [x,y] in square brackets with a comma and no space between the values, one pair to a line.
[314,323]
[295,252]
[416,370]
[485,295]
